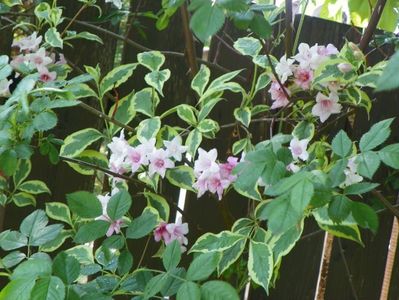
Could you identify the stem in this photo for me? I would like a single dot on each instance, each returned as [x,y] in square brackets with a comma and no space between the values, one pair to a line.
[299,30]
[82,8]
[144,251]
[288,27]
[324,266]
[342,252]
[370,29]
[189,41]
[386,203]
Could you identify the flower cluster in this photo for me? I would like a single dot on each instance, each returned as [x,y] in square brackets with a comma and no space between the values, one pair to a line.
[115,226]
[125,158]
[297,73]
[171,232]
[35,58]
[212,176]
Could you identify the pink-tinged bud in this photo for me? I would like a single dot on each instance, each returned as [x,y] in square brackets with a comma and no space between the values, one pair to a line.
[345,67]
[358,54]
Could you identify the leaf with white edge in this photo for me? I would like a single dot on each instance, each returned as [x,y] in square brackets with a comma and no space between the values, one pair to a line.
[48,288]
[125,112]
[248,46]
[11,240]
[189,291]
[390,155]
[83,253]
[229,256]
[243,115]
[146,101]
[193,141]
[84,204]
[218,290]
[219,84]
[172,255]
[350,232]
[377,134]
[341,144]
[200,80]
[207,20]
[149,128]
[37,265]
[57,242]
[78,141]
[239,146]
[83,35]
[262,82]
[210,242]
[260,264]
[18,289]
[66,267]
[144,224]
[91,231]
[153,60]
[23,199]
[53,38]
[116,77]
[159,203]
[118,205]
[208,106]
[80,90]
[181,176]
[187,113]
[34,187]
[24,167]
[304,130]
[365,216]
[208,125]
[58,211]
[157,79]
[90,156]
[367,163]
[203,266]
[360,188]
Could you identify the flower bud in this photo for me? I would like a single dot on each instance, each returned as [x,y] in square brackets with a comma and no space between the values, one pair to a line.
[345,67]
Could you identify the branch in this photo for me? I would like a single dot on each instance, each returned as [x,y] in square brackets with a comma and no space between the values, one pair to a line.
[348,272]
[188,38]
[386,203]
[374,19]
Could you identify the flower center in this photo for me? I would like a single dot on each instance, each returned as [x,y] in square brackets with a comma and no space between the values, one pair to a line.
[326,104]
[297,150]
[159,163]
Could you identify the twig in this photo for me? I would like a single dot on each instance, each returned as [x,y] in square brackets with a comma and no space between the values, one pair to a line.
[189,41]
[348,272]
[386,203]
[374,19]
[144,251]
[81,9]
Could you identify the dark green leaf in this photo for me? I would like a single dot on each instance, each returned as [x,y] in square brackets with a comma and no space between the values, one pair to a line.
[84,204]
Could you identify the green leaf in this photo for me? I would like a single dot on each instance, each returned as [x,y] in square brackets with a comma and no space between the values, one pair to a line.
[18,289]
[159,203]
[136,281]
[155,285]
[211,242]
[66,267]
[239,146]
[303,130]
[350,232]
[172,255]
[118,205]
[243,115]
[45,120]
[181,176]
[260,26]
[390,155]
[75,143]
[365,216]
[84,204]
[206,21]
[144,224]
[58,211]
[24,167]
[360,188]
[12,259]
[341,144]
[149,128]
[200,80]
[187,113]
[83,253]
[145,101]
[203,266]
[48,288]
[8,162]
[248,46]
[229,256]
[91,231]
[34,187]
[260,264]
[189,291]
[90,156]
[218,290]
[367,163]
[262,82]
[23,199]
[11,240]
[116,77]
[57,242]
[37,265]
[157,79]
[388,79]
[53,38]
[336,174]
[193,141]
[377,134]
[339,208]
[283,244]
[301,194]
[125,262]
[83,35]
[153,60]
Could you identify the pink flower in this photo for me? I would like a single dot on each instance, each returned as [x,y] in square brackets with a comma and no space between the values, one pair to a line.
[160,233]
[115,226]
[45,75]
[326,106]
[39,58]
[206,161]
[312,57]
[298,149]
[18,60]
[159,162]
[278,95]
[227,168]
[303,78]
[284,68]
[216,184]
[29,43]
[135,158]
[328,50]
[171,232]
[201,185]
[147,147]
[174,148]
[5,87]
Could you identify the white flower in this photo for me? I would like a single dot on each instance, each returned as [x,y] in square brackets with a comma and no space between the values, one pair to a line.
[119,146]
[147,147]
[326,106]
[298,149]
[284,68]
[159,162]
[292,167]
[174,148]
[45,75]
[117,3]
[351,176]
[206,161]
[5,87]
[135,158]
[39,58]
[29,43]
